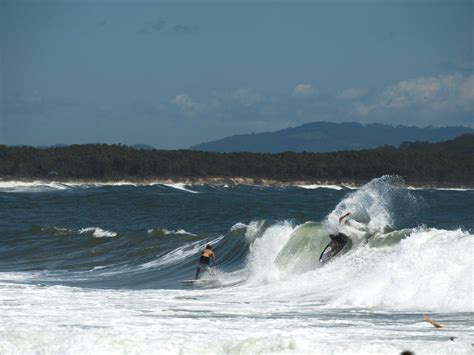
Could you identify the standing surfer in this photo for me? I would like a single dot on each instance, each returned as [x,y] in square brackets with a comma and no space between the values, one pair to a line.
[205,260]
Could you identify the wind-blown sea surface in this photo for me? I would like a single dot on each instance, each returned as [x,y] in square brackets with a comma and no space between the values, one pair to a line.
[98,268]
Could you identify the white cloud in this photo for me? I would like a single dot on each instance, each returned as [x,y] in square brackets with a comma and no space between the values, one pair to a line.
[189,107]
[352,93]
[247,97]
[304,90]
[429,94]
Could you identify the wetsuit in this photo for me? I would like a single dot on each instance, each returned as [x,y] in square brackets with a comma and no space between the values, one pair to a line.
[339,238]
[204,260]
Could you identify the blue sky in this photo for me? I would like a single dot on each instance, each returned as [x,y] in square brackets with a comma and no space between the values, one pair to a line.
[173,74]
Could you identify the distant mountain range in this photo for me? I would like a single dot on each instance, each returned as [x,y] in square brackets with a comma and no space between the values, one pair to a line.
[330,137]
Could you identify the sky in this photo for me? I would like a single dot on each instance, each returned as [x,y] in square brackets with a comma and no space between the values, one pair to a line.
[172,74]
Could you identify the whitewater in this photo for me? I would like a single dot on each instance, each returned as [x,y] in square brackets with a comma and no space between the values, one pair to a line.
[98,268]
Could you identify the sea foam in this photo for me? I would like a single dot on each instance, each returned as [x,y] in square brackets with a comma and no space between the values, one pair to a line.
[97,232]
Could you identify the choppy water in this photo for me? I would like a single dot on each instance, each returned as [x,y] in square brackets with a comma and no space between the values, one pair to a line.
[98,269]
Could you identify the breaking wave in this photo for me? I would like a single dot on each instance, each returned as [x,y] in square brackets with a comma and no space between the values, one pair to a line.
[419,268]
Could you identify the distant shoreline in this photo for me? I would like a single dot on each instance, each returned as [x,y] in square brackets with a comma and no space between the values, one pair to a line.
[224,181]
[421,165]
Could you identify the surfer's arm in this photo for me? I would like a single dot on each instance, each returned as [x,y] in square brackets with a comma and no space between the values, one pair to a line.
[342,217]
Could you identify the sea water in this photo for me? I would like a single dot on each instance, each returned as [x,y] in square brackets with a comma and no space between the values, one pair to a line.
[98,268]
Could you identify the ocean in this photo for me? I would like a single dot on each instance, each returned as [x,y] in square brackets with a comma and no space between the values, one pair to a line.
[99,268]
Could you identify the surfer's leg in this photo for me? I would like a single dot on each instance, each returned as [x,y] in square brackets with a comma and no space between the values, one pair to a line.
[197,273]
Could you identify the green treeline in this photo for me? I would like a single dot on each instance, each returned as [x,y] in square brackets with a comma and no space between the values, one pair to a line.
[448,163]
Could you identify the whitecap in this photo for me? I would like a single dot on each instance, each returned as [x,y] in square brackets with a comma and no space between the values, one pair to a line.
[318,186]
[180,186]
[97,232]
[31,186]
[170,231]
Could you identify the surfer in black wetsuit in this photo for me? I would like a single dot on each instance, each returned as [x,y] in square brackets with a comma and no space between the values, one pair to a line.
[205,260]
[339,238]
[337,243]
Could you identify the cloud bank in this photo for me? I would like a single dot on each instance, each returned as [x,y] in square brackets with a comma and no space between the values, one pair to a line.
[444,93]
[188,106]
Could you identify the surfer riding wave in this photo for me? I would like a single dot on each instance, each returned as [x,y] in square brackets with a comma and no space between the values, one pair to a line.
[339,238]
[204,261]
[336,244]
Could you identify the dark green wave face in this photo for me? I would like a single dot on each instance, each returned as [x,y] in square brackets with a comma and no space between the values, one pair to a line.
[151,236]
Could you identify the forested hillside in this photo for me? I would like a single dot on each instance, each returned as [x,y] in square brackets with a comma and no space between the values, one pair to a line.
[446,163]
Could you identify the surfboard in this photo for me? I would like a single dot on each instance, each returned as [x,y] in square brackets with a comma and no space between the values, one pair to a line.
[189,282]
[331,250]
[199,282]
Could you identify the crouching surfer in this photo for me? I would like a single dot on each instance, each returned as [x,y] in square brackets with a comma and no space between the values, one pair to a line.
[337,243]
[205,260]
[339,238]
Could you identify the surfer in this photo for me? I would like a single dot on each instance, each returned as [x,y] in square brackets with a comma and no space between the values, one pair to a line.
[205,260]
[339,238]
[337,243]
